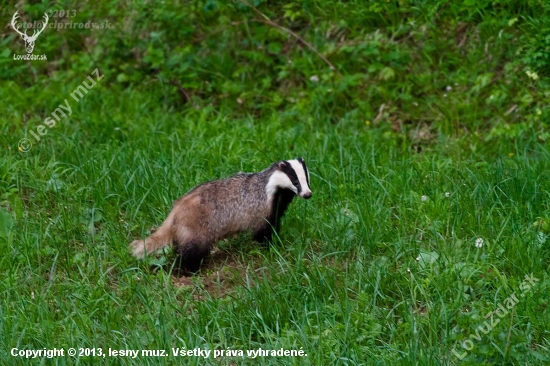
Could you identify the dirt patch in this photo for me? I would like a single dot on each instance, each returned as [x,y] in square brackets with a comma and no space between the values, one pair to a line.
[221,273]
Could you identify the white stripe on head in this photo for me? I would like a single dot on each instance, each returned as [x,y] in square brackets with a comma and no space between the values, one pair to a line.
[301,173]
[279,180]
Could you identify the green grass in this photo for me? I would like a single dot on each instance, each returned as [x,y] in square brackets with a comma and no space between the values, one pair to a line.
[337,284]
[379,267]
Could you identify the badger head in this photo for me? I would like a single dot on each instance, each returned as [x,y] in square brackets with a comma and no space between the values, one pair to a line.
[292,175]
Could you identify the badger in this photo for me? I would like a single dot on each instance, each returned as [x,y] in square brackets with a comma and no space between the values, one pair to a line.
[212,211]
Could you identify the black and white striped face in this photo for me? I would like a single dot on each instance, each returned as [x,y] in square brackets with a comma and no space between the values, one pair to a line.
[293,175]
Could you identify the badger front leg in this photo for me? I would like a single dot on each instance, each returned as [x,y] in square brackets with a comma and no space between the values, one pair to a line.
[264,234]
[273,222]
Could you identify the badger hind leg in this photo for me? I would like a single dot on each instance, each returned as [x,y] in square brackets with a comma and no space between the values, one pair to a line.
[191,254]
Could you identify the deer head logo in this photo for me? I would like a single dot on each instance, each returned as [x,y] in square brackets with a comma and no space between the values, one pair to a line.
[29,40]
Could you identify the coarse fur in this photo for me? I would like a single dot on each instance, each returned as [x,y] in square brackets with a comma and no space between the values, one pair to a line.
[214,210]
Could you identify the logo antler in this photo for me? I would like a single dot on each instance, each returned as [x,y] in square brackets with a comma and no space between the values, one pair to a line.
[29,40]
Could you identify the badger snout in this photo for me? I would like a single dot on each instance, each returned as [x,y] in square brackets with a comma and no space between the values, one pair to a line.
[307,195]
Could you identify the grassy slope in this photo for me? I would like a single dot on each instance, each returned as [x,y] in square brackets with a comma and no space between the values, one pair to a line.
[338,283]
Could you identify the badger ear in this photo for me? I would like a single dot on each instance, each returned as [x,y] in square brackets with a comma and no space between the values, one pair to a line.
[282,165]
[301,160]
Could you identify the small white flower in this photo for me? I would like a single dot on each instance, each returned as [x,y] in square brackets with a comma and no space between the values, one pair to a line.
[417,259]
[532,75]
[408,270]
[444,95]
[424,198]
[448,88]
[479,242]
[239,100]
[415,104]
[447,194]
[314,79]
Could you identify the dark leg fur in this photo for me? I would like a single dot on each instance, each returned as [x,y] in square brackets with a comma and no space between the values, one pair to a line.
[263,235]
[280,203]
[191,257]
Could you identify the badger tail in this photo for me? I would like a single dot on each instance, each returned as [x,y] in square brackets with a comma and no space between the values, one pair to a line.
[159,239]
